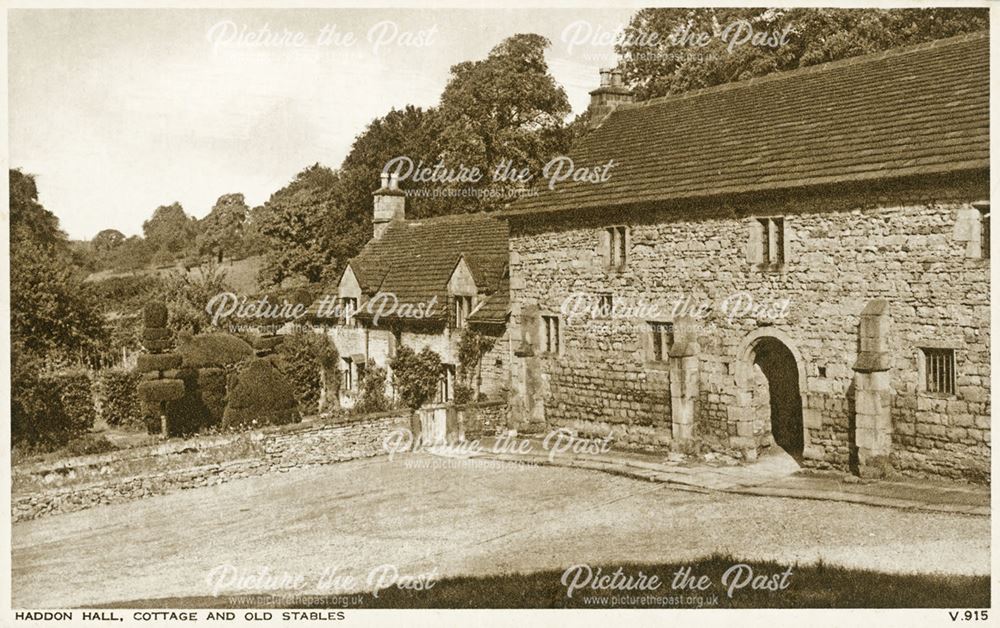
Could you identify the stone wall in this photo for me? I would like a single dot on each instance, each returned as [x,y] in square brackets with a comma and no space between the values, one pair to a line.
[85,482]
[902,244]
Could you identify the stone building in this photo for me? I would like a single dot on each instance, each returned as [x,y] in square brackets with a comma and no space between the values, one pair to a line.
[421,283]
[797,260]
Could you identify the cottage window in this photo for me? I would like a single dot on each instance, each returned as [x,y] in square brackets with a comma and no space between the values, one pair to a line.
[347,374]
[550,331]
[463,305]
[661,338]
[348,308]
[617,247]
[768,246]
[939,369]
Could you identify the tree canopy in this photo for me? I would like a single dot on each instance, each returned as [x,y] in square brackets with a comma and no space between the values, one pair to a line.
[660,56]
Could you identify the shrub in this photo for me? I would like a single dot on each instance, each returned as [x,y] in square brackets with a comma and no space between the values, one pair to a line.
[76,394]
[213,350]
[260,395]
[415,375]
[118,399]
[36,410]
[302,357]
[371,393]
[88,445]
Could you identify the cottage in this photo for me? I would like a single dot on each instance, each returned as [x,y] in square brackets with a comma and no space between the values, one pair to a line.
[816,244]
[422,283]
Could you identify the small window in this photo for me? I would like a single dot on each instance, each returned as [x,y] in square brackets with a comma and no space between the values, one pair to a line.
[348,308]
[984,230]
[463,305]
[617,248]
[661,338]
[605,305]
[550,330]
[939,367]
[767,247]
[347,375]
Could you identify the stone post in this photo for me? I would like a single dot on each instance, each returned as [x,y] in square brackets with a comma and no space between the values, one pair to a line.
[684,379]
[873,389]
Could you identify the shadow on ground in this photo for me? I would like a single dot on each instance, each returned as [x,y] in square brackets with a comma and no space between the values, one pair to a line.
[809,586]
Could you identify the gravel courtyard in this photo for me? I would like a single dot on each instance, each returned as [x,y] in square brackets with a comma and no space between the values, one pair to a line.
[428,515]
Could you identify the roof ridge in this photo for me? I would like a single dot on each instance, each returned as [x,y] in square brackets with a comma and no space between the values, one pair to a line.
[819,67]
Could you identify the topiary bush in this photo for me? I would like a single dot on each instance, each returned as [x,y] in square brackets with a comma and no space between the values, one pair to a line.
[118,399]
[415,376]
[302,357]
[260,395]
[215,350]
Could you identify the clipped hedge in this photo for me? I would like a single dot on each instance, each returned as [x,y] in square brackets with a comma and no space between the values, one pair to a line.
[260,395]
[118,397]
[214,350]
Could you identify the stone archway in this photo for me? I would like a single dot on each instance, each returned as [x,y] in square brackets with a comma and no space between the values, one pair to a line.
[770,403]
[780,370]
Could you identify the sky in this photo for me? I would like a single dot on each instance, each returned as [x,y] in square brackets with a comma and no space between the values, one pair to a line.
[119,111]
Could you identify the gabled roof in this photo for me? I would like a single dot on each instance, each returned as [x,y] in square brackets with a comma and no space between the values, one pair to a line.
[414,259]
[494,309]
[910,111]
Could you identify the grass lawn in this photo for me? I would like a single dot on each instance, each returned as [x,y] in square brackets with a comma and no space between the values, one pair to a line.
[811,586]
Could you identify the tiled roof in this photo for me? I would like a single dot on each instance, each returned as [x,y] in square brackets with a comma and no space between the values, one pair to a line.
[910,111]
[414,259]
[495,309]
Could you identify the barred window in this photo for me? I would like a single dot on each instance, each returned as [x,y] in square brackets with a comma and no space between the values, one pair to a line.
[348,307]
[772,240]
[939,366]
[605,304]
[463,305]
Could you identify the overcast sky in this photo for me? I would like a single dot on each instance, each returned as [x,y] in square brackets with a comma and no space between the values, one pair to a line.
[117,112]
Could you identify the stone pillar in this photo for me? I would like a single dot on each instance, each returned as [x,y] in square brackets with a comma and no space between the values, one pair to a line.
[684,379]
[873,389]
[530,404]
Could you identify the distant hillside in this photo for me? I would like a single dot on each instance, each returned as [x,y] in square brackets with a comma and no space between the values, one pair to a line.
[241,275]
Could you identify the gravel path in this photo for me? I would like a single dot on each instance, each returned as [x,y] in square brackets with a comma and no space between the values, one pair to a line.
[484,518]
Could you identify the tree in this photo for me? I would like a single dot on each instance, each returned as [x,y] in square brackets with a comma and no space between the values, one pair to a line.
[169,232]
[221,231]
[107,240]
[52,314]
[504,109]
[415,376]
[310,234]
[656,62]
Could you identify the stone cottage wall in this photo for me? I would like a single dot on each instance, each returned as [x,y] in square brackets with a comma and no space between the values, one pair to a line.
[844,250]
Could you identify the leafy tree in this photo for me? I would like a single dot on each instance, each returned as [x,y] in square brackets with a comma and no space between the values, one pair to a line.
[656,64]
[415,376]
[107,240]
[221,231]
[504,109]
[52,313]
[309,231]
[372,397]
[169,232]
[187,294]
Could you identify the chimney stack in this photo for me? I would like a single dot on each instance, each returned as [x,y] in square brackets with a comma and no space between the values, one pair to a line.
[608,96]
[390,204]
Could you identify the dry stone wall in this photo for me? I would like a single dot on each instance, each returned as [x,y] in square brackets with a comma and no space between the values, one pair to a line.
[86,482]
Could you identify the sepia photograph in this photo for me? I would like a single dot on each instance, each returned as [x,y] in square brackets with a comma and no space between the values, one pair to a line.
[651,314]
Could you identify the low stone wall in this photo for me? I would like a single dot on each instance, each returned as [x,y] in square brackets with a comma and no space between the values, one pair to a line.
[483,419]
[88,481]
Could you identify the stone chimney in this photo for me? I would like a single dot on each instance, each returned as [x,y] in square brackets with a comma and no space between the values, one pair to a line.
[609,95]
[390,204]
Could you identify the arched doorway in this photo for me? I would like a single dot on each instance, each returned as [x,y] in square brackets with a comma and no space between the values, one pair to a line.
[777,362]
